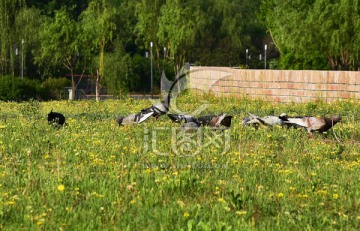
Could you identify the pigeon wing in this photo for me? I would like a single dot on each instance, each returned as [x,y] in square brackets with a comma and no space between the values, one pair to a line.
[175,118]
[318,124]
[142,116]
[301,122]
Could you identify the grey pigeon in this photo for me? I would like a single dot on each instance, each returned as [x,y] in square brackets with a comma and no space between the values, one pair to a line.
[190,126]
[314,124]
[133,118]
[158,109]
[179,118]
[266,120]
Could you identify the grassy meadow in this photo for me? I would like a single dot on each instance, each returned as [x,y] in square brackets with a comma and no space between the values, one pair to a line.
[94,175]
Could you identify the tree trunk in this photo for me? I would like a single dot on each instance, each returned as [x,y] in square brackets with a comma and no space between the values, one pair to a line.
[97,86]
[73,86]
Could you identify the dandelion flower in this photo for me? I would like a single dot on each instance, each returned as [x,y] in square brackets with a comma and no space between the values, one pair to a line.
[241,212]
[61,188]
[181,203]
[335,196]
[186,214]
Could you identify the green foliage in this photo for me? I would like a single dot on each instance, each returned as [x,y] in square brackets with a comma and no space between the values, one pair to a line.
[97,27]
[178,24]
[118,73]
[311,30]
[58,41]
[55,87]
[295,61]
[17,89]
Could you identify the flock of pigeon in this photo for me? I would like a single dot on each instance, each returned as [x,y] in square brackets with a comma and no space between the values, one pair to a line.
[310,123]
[189,122]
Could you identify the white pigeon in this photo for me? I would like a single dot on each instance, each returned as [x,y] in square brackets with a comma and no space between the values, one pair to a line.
[266,120]
[133,118]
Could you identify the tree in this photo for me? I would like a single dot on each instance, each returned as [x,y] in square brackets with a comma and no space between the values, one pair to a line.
[147,26]
[178,25]
[226,29]
[311,30]
[27,28]
[8,36]
[98,26]
[59,44]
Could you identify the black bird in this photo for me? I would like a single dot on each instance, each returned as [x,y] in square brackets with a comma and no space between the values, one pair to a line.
[56,118]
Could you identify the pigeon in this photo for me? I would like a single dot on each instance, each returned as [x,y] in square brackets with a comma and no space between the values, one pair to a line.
[56,118]
[133,118]
[215,121]
[266,120]
[158,109]
[178,118]
[246,120]
[314,124]
[190,126]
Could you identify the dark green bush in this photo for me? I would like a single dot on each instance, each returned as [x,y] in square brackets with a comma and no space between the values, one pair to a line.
[55,87]
[18,89]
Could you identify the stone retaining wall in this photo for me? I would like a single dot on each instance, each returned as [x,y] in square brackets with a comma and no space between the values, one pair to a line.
[276,85]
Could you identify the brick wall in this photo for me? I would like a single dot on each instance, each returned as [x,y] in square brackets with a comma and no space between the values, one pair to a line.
[276,85]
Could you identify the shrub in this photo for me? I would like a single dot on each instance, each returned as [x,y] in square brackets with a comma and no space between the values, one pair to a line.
[55,87]
[18,89]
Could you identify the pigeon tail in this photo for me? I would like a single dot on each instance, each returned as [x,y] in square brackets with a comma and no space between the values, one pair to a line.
[226,121]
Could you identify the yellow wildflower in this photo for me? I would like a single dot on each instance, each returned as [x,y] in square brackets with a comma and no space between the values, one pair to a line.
[61,188]
[241,212]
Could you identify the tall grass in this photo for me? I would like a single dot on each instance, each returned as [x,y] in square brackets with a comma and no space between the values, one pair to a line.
[94,175]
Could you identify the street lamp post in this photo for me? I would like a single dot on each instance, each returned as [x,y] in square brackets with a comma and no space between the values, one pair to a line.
[16,60]
[247,51]
[151,64]
[265,56]
[164,58]
[22,58]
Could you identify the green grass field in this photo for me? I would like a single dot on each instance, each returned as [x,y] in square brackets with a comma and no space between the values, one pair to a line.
[94,175]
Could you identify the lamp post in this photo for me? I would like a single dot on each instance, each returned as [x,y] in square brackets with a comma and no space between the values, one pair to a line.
[16,59]
[265,56]
[247,51]
[151,64]
[164,58]
[22,58]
